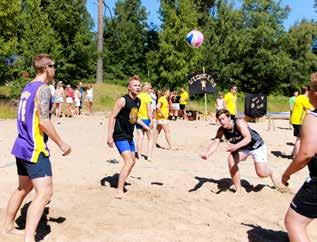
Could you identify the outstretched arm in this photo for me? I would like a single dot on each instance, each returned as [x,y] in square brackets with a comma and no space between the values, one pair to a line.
[307,149]
[213,145]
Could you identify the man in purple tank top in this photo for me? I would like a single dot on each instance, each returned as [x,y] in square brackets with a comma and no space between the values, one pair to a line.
[32,155]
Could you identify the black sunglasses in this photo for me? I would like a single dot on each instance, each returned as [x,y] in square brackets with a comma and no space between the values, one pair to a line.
[52,66]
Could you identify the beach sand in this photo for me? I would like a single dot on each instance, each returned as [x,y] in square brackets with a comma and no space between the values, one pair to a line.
[176,197]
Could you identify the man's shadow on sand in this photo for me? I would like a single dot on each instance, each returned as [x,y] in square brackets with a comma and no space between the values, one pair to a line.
[43,228]
[224,185]
[281,154]
[257,233]
[113,181]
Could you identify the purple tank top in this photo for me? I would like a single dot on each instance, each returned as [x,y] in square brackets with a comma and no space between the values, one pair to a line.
[31,140]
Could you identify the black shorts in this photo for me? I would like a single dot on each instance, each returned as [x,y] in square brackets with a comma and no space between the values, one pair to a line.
[182,106]
[34,170]
[296,128]
[305,200]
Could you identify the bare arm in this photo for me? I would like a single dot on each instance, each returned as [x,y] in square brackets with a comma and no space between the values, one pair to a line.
[120,103]
[43,107]
[158,108]
[213,145]
[149,112]
[307,149]
[243,128]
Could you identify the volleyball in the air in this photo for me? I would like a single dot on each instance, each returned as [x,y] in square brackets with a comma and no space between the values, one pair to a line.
[195,38]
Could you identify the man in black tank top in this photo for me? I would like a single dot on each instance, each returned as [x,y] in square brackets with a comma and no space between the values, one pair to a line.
[303,208]
[243,142]
[121,126]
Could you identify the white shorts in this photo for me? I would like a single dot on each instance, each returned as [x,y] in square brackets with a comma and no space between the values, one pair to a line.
[59,99]
[162,121]
[69,100]
[77,102]
[89,99]
[175,106]
[259,155]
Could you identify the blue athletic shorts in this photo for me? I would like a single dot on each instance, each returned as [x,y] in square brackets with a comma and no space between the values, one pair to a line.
[125,145]
[146,121]
[34,170]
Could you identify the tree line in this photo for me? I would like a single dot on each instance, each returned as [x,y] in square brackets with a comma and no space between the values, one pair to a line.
[246,44]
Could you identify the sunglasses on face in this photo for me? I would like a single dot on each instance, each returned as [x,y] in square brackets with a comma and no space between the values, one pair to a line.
[52,66]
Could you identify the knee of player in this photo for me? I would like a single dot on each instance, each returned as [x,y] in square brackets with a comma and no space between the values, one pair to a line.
[25,189]
[46,195]
[262,173]
[288,221]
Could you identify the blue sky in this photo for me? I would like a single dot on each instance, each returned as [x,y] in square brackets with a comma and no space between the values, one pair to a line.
[300,9]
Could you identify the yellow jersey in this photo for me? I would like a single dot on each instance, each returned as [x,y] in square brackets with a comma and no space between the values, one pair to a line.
[300,108]
[183,98]
[145,100]
[164,107]
[231,100]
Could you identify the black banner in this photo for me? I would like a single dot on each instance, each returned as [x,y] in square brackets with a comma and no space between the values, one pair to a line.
[255,105]
[201,83]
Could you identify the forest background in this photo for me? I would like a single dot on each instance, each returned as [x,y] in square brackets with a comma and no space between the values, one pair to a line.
[247,46]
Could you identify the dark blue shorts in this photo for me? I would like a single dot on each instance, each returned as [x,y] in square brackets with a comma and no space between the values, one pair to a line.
[146,121]
[125,145]
[34,170]
[296,128]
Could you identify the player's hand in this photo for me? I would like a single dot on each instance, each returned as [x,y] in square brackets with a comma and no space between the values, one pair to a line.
[152,125]
[65,148]
[285,179]
[146,128]
[110,142]
[204,156]
[231,148]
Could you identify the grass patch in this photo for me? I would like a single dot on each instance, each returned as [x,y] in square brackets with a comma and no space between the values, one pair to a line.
[106,94]
[4,92]
[7,111]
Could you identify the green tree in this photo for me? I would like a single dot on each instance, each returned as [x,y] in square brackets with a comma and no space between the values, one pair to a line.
[9,21]
[125,39]
[72,24]
[170,65]
[298,44]
[36,34]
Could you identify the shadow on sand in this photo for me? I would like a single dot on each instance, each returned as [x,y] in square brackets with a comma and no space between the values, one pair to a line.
[280,154]
[259,234]
[113,181]
[290,143]
[43,229]
[224,185]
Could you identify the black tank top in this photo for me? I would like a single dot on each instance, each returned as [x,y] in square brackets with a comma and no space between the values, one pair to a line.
[312,165]
[126,119]
[234,136]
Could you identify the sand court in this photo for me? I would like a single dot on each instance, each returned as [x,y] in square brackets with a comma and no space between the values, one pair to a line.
[176,197]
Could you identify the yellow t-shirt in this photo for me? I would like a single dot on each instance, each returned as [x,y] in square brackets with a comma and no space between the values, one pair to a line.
[300,108]
[231,101]
[183,98]
[164,107]
[145,100]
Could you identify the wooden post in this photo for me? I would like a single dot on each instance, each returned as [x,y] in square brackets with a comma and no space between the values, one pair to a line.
[99,69]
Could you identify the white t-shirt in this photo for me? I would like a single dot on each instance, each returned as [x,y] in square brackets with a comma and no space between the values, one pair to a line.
[90,93]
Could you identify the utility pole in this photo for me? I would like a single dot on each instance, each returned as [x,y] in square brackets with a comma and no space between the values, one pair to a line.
[99,71]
